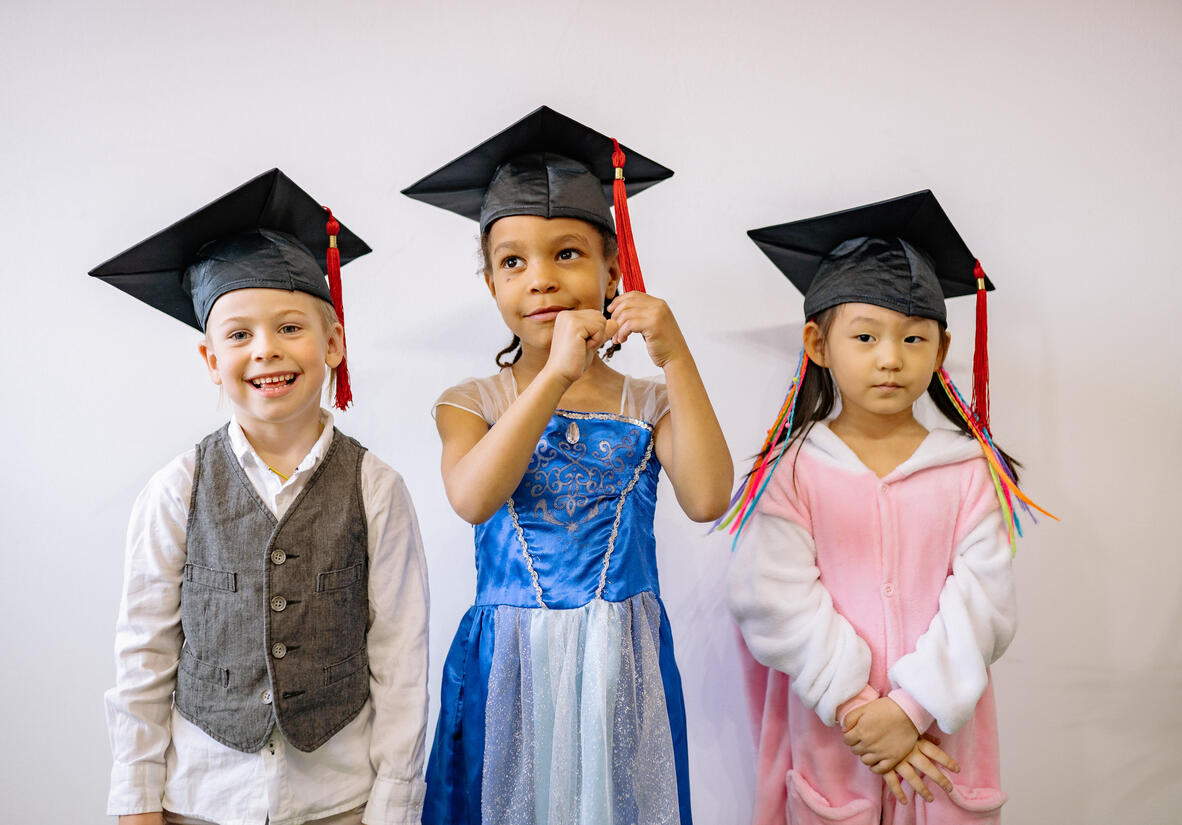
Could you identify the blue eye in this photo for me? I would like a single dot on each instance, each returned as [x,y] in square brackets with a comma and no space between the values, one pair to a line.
[238,335]
[289,329]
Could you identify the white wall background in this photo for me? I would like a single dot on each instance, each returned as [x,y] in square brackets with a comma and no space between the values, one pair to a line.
[1049,130]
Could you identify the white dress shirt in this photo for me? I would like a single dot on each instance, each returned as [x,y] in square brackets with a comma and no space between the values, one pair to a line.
[163,760]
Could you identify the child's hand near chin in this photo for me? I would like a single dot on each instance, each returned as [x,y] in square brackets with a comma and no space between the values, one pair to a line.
[578,333]
[652,318]
[880,733]
[923,758]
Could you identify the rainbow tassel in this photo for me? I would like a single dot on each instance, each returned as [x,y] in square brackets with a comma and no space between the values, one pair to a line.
[742,505]
[1003,479]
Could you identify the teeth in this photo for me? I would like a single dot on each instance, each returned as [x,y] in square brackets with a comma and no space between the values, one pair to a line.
[273,379]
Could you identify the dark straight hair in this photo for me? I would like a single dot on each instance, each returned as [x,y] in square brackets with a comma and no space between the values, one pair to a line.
[817,396]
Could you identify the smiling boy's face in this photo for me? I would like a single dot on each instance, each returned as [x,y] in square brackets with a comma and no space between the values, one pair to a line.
[541,266]
[271,351]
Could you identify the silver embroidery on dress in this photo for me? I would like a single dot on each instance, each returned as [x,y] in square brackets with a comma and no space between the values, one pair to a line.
[576,727]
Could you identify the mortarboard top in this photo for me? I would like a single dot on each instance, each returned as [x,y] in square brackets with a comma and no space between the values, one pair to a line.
[901,253]
[266,233]
[544,164]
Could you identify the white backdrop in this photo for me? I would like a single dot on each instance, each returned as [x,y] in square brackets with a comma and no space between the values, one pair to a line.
[1049,130]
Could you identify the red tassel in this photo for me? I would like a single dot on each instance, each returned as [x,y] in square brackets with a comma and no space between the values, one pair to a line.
[344,394]
[629,265]
[981,353]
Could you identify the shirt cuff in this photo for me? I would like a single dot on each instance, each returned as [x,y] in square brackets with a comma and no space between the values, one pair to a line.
[395,802]
[865,697]
[137,788]
[915,712]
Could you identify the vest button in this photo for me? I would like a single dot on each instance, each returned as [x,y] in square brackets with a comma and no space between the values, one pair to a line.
[278,604]
[278,557]
[265,697]
[279,650]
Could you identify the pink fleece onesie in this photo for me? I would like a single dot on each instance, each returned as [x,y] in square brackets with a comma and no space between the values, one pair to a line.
[847,587]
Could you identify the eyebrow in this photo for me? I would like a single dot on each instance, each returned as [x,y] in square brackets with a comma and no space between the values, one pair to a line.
[571,236]
[504,245]
[911,320]
[246,319]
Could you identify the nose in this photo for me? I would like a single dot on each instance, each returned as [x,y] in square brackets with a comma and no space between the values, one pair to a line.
[266,346]
[890,356]
[544,280]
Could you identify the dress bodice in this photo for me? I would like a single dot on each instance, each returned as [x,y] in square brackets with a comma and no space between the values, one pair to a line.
[579,526]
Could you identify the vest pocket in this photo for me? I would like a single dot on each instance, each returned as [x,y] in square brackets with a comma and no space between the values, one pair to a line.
[337,579]
[334,673]
[806,806]
[208,577]
[203,671]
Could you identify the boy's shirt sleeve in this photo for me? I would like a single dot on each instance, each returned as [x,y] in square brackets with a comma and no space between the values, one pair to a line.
[786,614]
[148,640]
[397,647]
[946,675]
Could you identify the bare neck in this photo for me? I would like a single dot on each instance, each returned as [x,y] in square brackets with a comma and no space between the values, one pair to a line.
[881,442]
[283,445]
[598,389]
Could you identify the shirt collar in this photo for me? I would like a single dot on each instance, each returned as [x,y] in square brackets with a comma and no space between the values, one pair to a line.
[245,452]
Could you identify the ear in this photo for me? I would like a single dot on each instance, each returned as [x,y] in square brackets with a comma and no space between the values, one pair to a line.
[209,357]
[945,343]
[335,350]
[491,284]
[814,344]
[613,278]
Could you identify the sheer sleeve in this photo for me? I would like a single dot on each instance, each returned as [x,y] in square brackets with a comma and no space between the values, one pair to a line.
[487,397]
[644,398]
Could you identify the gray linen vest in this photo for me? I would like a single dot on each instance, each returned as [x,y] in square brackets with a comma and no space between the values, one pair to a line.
[274,614]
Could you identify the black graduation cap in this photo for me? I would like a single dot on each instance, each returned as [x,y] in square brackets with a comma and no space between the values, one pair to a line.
[266,233]
[902,253]
[544,147]
[551,166]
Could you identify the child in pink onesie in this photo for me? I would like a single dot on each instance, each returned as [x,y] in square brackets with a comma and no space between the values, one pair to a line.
[873,574]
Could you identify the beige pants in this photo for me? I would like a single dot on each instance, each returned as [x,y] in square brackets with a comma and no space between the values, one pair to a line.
[352,817]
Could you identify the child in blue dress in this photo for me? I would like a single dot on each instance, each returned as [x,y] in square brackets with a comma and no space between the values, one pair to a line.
[561,699]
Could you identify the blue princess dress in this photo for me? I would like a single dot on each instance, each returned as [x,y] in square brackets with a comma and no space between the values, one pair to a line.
[561,701]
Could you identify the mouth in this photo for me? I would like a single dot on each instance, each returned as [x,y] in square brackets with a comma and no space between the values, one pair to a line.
[546,313]
[274,384]
[888,387]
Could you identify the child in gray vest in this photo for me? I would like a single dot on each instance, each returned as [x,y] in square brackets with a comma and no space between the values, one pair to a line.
[271,645]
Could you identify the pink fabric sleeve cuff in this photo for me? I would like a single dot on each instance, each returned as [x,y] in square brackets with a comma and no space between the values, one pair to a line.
[915,712]
[865,697]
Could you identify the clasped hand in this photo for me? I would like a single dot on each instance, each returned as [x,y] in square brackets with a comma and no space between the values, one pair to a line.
[885,739]
[578,333]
